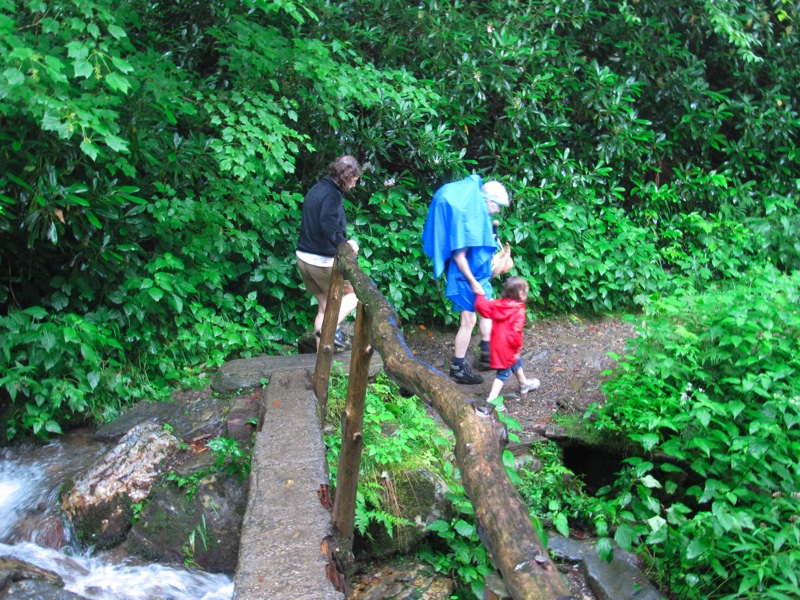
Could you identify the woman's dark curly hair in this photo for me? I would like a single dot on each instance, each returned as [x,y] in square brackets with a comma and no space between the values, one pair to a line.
[343,169]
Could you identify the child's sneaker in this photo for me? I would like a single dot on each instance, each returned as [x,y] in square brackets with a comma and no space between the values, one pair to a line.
[463,374]
[531,384]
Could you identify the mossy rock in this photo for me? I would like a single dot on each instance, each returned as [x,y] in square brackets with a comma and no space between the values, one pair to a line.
[415,495]
[100,502]
[203,530]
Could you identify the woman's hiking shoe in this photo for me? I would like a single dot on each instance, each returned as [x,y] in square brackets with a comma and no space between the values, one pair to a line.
[338,340]
[532,384]
[483,362]
[463,374]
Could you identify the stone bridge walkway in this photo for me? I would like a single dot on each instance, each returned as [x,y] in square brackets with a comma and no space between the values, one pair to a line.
[281,556]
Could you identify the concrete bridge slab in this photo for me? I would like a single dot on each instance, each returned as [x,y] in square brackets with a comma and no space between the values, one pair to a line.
[280,556]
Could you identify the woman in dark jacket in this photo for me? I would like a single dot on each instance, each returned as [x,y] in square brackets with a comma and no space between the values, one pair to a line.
[322,228]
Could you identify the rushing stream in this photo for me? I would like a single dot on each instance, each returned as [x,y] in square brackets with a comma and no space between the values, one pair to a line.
[31,529]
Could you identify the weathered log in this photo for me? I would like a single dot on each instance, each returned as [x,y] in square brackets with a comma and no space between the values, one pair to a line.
[502,519]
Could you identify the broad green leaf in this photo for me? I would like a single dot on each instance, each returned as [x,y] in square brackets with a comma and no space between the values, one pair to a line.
[438,525]
[650,482]
[89,354]
[605,549]
[53,427]
[93,377]
[77,200]
[78,51]
[116,143]
[656,522]
[625,536]
[696,548]
[36,312]
[48,340]
[83,68]
[90,216]
[118,82]
[561,524]
[117,32]
[89,149]
[14,76]
[670,468]
[465,529]
[649,440]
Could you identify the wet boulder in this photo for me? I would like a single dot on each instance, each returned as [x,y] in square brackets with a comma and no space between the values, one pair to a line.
[37,590]
[44,529]
[200,528]
[191,414]
[101,503]
[23,581]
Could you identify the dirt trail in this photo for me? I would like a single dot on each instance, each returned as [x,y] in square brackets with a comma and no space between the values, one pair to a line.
[566,354]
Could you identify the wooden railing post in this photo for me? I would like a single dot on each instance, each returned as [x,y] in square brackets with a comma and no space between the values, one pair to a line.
[322,372]
[344,506]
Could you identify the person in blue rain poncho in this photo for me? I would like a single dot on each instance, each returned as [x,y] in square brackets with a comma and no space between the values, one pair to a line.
[458,237]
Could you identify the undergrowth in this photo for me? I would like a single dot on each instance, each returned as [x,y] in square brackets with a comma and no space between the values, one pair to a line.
[711,395]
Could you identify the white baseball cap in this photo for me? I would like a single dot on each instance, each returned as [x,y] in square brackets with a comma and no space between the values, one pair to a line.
[496,192]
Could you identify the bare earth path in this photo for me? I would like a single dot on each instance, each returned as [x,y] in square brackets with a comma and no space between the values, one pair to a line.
[567,354]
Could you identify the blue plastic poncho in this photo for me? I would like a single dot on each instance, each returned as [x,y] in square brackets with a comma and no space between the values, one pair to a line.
[459,218]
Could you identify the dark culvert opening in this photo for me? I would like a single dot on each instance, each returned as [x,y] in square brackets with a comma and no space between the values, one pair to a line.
[595,465]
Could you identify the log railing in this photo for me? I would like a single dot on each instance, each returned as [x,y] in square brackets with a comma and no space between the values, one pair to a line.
[502,520]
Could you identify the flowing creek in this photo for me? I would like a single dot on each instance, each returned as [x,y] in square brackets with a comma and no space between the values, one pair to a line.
[32,530]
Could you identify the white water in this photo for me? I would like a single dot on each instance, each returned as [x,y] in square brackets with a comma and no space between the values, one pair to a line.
[30,479]
[99,577]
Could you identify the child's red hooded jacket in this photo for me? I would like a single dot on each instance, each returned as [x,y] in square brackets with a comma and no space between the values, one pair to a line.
[508,320]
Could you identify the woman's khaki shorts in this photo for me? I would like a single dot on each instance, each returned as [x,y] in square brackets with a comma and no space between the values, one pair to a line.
[318,279]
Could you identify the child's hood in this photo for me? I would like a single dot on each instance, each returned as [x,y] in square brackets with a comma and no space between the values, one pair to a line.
[505,308]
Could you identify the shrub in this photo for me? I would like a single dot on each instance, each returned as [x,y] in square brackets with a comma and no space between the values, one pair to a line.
[711,393]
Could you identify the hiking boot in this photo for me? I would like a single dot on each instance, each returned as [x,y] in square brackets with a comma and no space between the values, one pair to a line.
[463,374]
[339,340]
[484,361]
[531,384]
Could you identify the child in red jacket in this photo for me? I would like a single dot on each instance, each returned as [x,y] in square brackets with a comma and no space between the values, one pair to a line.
[508,320]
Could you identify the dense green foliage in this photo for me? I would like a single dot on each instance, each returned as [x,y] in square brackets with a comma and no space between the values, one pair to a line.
[155,155]
[711,396]
[400,438]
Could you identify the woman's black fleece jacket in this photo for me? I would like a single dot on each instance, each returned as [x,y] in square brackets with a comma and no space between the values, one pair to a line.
[323,226]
